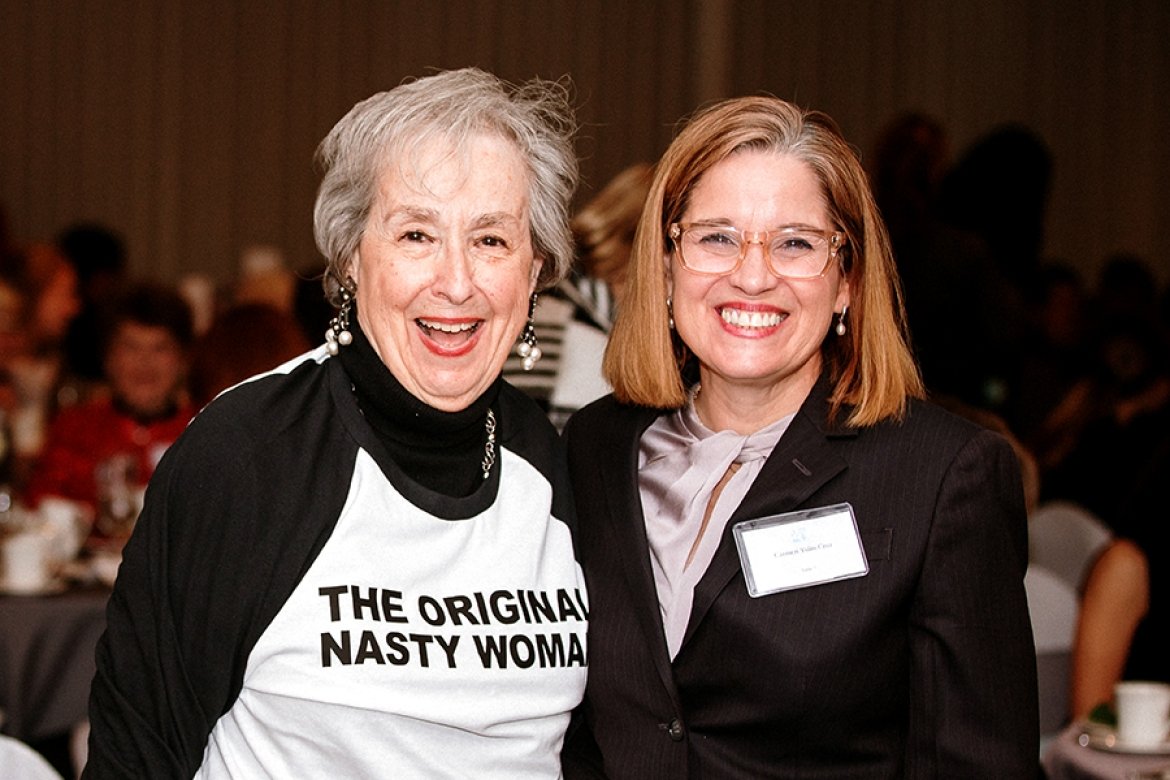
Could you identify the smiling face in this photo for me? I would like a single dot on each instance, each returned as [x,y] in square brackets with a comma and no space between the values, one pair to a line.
[146,366]
[445,268]
[752,329]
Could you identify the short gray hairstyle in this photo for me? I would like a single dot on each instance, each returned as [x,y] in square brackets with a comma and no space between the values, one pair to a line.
[452,105]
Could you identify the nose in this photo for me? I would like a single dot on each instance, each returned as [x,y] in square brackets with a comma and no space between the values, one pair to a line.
[754,274]
[453,278]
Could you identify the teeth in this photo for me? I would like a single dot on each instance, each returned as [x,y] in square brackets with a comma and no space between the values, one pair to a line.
[449,327]
[755,319]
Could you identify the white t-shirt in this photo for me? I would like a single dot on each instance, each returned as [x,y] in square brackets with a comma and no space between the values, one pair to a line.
[460,638]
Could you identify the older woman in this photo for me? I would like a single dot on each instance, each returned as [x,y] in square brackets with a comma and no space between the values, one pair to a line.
[359,564]
[797,567]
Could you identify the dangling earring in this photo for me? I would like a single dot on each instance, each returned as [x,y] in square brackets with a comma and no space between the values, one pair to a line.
[670,312]
[338,334]
[841,321]
[528,349]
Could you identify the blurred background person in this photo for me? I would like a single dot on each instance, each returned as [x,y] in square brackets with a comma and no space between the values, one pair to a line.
[115,440]
[604,234]
[964,241]
[996,193]
[910,158]
[998,190]
[1119,467]
[12,343]
[1127,287]
[1053,347]
[244,340]
[263,276]
[38,290]
[573,319]
[1118,638]
[98,256]
[12,335]
[1103,434]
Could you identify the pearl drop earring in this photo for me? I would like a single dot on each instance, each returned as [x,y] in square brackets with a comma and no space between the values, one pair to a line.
[528,349]
[338,334]
[841,322]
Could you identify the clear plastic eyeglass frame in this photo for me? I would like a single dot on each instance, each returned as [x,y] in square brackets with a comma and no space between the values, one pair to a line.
[744,238]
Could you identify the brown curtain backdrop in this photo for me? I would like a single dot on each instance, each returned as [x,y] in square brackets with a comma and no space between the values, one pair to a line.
[190,126]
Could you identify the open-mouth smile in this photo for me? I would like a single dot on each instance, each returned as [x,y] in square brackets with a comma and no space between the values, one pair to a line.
[738,318]
[448,337]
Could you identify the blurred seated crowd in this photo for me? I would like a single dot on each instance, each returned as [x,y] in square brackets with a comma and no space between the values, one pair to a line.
[1075,369]
[101,371]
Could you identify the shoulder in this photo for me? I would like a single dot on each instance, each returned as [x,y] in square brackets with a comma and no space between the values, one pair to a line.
[960,434]
[606,431]
[255,414]
[927,416]
[523,426]
[255,405]
[525,430]
[595,410]
[930,442]
[521,413]
[609,415]
[270,456]
[933,427]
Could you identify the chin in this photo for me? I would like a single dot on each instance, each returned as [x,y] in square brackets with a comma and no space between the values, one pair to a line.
[146,406]
[452,396]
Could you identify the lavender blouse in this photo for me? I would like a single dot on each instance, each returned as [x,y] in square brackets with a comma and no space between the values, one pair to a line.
[680,463]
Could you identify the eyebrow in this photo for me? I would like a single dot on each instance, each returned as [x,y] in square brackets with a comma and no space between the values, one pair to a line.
[418,213]
[494,218]
[423,214]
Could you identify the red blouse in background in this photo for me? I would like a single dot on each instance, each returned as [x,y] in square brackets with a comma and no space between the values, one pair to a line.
[83,437]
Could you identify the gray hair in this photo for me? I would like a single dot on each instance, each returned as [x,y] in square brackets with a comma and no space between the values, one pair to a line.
[452,105]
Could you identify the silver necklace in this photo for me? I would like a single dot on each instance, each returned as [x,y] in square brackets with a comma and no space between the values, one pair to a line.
[489,449]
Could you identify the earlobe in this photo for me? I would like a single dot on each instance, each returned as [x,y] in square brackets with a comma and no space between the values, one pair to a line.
[537,265]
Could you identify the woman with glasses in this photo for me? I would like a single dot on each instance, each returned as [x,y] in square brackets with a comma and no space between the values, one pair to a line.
[797,566]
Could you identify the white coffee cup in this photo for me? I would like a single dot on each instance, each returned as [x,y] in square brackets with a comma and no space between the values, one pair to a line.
[68,523]
[26,561]
[1143,712]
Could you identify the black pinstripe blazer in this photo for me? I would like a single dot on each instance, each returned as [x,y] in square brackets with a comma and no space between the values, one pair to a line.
[922,668]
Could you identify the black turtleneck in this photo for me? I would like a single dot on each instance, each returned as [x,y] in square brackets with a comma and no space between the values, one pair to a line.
[443,451]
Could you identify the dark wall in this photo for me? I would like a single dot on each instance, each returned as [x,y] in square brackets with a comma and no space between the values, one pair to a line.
[190,127]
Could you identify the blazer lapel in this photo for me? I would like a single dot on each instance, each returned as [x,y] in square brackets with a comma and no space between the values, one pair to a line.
[628,525]
[803,460]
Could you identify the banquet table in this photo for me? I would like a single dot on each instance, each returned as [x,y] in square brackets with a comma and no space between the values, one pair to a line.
[1071,757]
[47,659]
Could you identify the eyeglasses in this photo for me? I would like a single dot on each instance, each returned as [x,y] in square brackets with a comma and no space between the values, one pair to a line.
[792,253]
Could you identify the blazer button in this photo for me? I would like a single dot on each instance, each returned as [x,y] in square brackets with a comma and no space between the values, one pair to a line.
[675,730]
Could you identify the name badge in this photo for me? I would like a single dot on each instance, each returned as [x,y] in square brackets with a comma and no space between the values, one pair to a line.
[799,549]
